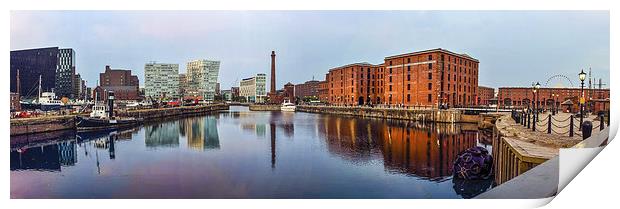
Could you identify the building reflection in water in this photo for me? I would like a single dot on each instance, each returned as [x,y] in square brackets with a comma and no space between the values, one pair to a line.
[272,136]
[162,135]
[201,133]
[426,151]
[50,156]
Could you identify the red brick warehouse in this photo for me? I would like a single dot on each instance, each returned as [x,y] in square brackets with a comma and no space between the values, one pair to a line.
[522,97]
[355,84]
[430,78]
[485,95]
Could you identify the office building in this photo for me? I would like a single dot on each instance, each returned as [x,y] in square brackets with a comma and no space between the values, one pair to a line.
[253,88]
[202,76]
[161,81]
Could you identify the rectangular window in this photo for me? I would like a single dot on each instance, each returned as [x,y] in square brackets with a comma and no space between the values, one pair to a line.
[408,77]
[390,87]
[408,97]
[430,86]
[408,86]
[430,66]
[430,97]
[390,70]
[430,57]
[430,76]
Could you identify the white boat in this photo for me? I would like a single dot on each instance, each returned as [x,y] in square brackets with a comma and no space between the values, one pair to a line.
[287,106]
[48,101]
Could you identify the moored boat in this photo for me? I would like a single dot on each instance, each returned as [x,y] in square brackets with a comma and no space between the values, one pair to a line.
[102,118]
[287,106]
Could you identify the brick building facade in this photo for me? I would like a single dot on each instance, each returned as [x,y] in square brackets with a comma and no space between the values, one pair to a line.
[485,95]
[355,84]
[522,97]
[124,85]
[307,89]
[323,91]
[288,92]
[430,78]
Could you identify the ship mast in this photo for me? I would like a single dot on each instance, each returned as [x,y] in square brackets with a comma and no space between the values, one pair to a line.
[39,96]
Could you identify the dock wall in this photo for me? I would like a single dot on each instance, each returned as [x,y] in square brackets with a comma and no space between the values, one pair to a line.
[43,124]
[257,107]
[56,123]
[423,115]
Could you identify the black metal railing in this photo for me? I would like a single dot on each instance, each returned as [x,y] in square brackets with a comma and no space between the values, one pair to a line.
[553,124]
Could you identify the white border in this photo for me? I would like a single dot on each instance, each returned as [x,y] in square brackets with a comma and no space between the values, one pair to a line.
[586,190]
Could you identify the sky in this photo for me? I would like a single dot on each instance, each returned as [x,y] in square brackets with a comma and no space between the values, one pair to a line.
[515,48]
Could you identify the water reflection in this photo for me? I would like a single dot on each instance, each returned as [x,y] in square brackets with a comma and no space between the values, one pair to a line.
[45,156]
[162,135]
[304,156]
[201,133]
[423,150]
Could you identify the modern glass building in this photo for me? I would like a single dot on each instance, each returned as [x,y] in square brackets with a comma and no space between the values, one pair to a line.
[202,78]
[65,73]
[161,80]
[32,64]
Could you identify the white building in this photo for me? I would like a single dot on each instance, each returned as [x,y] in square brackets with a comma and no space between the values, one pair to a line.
[202,78]
[253,89]
[161,80]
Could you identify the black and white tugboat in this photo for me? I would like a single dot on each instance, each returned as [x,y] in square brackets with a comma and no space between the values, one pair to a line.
[102,118]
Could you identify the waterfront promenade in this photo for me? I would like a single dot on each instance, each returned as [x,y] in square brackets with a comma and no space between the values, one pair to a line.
[517,148]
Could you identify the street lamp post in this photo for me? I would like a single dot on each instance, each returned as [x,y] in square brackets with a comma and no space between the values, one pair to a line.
[537,92]
[582,77]
[534,107]
[553,105]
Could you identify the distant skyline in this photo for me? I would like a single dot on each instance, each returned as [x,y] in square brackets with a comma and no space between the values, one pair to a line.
[515,48]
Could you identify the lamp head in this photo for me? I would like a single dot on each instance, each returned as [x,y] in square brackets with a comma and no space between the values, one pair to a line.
[582,76]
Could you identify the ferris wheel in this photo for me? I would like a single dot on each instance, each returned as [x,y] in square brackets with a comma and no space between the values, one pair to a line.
[559,81]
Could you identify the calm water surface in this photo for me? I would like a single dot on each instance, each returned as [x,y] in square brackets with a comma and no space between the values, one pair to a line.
[242,154]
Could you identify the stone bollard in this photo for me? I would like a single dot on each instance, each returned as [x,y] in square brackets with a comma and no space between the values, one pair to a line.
[586,129]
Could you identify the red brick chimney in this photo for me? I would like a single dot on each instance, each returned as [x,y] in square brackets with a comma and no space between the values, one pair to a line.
[273,72]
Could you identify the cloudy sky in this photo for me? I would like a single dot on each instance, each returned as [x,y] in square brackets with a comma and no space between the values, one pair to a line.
[514,48]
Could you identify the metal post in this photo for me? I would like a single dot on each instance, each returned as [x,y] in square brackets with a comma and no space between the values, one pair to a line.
[570,132]
[581,106]
[549,125]
[534,121]
[528,120]
[602,126]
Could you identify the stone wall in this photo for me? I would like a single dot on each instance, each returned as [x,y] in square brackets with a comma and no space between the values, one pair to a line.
[40,125]
[154,114]
[256,107]
[425,115]
[55,123]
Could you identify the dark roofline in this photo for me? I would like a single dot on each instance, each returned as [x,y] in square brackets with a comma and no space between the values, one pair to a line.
[354,64]
[465,56]
[32,49]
